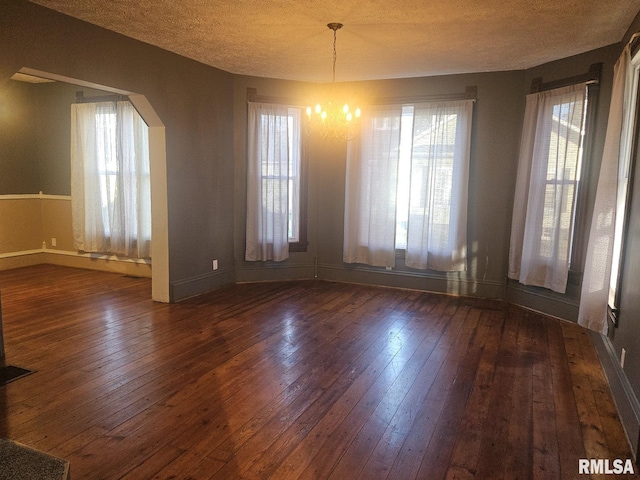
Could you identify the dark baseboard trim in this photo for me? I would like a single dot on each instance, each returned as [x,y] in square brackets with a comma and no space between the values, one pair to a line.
[623,395]
[199,284]
[452,284]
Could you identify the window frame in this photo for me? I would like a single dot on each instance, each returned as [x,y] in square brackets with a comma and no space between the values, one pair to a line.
[302,244]
[578,247]
[613,304]
[350,250]
[470,93]
[107,121]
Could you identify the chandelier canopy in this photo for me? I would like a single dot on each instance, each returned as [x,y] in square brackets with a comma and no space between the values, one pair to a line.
[333,119]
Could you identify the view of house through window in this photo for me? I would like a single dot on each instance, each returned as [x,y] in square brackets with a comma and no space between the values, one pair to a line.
[282,172]
[407,186]
[425,171]
[566,141]
[547,190]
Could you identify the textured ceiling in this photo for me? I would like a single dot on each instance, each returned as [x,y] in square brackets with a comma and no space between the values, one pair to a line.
[380,39]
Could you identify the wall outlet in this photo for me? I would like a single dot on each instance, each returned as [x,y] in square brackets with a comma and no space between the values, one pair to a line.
[215,264]
[622,357]
[53,242]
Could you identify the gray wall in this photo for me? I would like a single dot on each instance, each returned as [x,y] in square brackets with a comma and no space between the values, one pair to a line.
[497,122]
[626,334]
[18,163]
[36,151]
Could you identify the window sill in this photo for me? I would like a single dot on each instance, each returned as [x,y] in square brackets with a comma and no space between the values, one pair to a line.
[298,247]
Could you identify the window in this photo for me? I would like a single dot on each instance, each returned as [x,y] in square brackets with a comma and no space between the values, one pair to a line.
[110,188]
[548,200]
[560,181]
[604,265]
[275,220]
[407,182]
[627,151]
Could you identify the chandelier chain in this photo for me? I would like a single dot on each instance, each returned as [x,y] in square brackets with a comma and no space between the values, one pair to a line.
[335,55]
[332,119]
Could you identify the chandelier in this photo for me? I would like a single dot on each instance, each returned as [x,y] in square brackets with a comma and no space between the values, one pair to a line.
[333,119]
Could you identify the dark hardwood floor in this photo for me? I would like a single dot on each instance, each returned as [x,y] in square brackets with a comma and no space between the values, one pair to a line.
[311,380]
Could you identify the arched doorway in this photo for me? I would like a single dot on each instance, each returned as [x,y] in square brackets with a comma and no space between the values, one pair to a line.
[157,150]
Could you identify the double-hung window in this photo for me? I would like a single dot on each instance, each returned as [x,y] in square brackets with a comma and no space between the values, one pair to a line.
[275,220]
[609,235]
[407,186]
[548,197]
[110,179]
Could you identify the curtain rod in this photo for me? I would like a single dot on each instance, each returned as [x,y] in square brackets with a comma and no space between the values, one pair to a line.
[80,98]
[592,77]
[470,93]
[633,44]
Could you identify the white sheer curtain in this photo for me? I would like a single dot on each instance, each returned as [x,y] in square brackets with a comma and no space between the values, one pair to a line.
[268,170]
[599,282]
[546,185]
[436,180]
[371,183]
[437,227]
[110,181]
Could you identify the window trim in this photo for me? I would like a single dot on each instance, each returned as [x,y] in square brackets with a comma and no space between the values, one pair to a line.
[138,240]
[470,93]
[580,230]
[302,244]
[465,100]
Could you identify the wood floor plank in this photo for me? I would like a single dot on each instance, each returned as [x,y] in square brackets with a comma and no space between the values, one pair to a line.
[570,441]
[465,455]
[297,380]
[545,461]
[494,443]
[439,450]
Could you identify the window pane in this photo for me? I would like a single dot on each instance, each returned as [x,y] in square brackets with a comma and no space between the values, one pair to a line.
[432,171]
[425,172]
[404,176]
[285,173]
[563,171]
